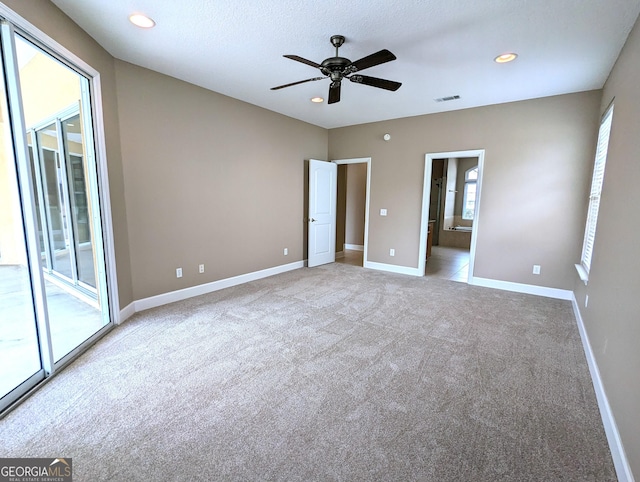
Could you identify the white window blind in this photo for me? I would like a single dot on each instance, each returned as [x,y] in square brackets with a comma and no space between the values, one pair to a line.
[596,189]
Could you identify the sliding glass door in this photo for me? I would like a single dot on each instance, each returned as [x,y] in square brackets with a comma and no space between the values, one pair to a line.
[53,286]
[18,332]
[57,163]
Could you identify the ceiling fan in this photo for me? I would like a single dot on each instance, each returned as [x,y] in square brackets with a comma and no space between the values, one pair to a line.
[339,68]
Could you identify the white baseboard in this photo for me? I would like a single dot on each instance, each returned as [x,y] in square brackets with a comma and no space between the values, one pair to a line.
[355,247]
[127,312]
[179,295]
[392,268]
[522,288]
[620,461]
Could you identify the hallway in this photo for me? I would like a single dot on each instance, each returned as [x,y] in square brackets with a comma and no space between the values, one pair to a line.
[444,263]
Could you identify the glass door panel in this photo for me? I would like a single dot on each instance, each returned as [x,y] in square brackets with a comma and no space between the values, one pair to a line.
[78,199]
[19,349]
[57,112]
[37,187]
[54,200]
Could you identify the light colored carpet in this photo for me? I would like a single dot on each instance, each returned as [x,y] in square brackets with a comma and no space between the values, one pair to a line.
[329,373]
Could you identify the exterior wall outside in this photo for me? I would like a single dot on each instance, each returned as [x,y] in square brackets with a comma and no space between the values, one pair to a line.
[47,88]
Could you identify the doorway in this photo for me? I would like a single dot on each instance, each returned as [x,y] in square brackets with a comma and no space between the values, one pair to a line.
[450,212]
[352,216]
[54,294]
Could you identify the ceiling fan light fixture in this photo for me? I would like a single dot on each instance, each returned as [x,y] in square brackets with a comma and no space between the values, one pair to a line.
[317,100]
[504,58]
[142,21]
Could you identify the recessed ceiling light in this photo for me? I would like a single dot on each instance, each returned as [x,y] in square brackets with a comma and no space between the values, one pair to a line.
[504,58]
[141,21]
[317,100]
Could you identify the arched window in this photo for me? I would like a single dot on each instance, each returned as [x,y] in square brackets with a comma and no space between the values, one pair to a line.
[469,199]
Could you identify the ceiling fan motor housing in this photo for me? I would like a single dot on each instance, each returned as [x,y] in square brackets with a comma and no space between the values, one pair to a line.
[335,67]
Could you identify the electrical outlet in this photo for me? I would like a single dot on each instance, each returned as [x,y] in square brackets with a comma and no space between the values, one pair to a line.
[286,251]
[392,252]
[201,268]
[383,212]
[179,273]
[536,269]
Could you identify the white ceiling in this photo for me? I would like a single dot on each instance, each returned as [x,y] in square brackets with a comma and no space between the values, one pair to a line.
[443,48]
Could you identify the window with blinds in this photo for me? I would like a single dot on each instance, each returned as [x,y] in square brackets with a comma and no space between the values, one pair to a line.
[596,189]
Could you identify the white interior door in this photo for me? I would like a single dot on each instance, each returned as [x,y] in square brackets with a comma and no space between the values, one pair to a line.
[323,191]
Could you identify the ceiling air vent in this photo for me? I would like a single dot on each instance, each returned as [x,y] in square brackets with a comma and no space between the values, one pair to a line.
[445,99]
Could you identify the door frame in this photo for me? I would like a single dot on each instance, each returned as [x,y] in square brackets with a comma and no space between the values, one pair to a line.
[426,197]
[367,161]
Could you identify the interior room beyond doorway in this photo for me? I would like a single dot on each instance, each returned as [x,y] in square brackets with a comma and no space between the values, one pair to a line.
[351,211]
[451,214]
[451,204]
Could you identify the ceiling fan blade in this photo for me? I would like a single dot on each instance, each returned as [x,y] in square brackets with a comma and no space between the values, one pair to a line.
[304,61]
[296,83]
[372,60]
[334,92]
[375,82]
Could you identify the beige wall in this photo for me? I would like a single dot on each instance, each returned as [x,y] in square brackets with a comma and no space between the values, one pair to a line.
[537,152]
[208,179]
[612,318]
[46,17]
[355,203]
